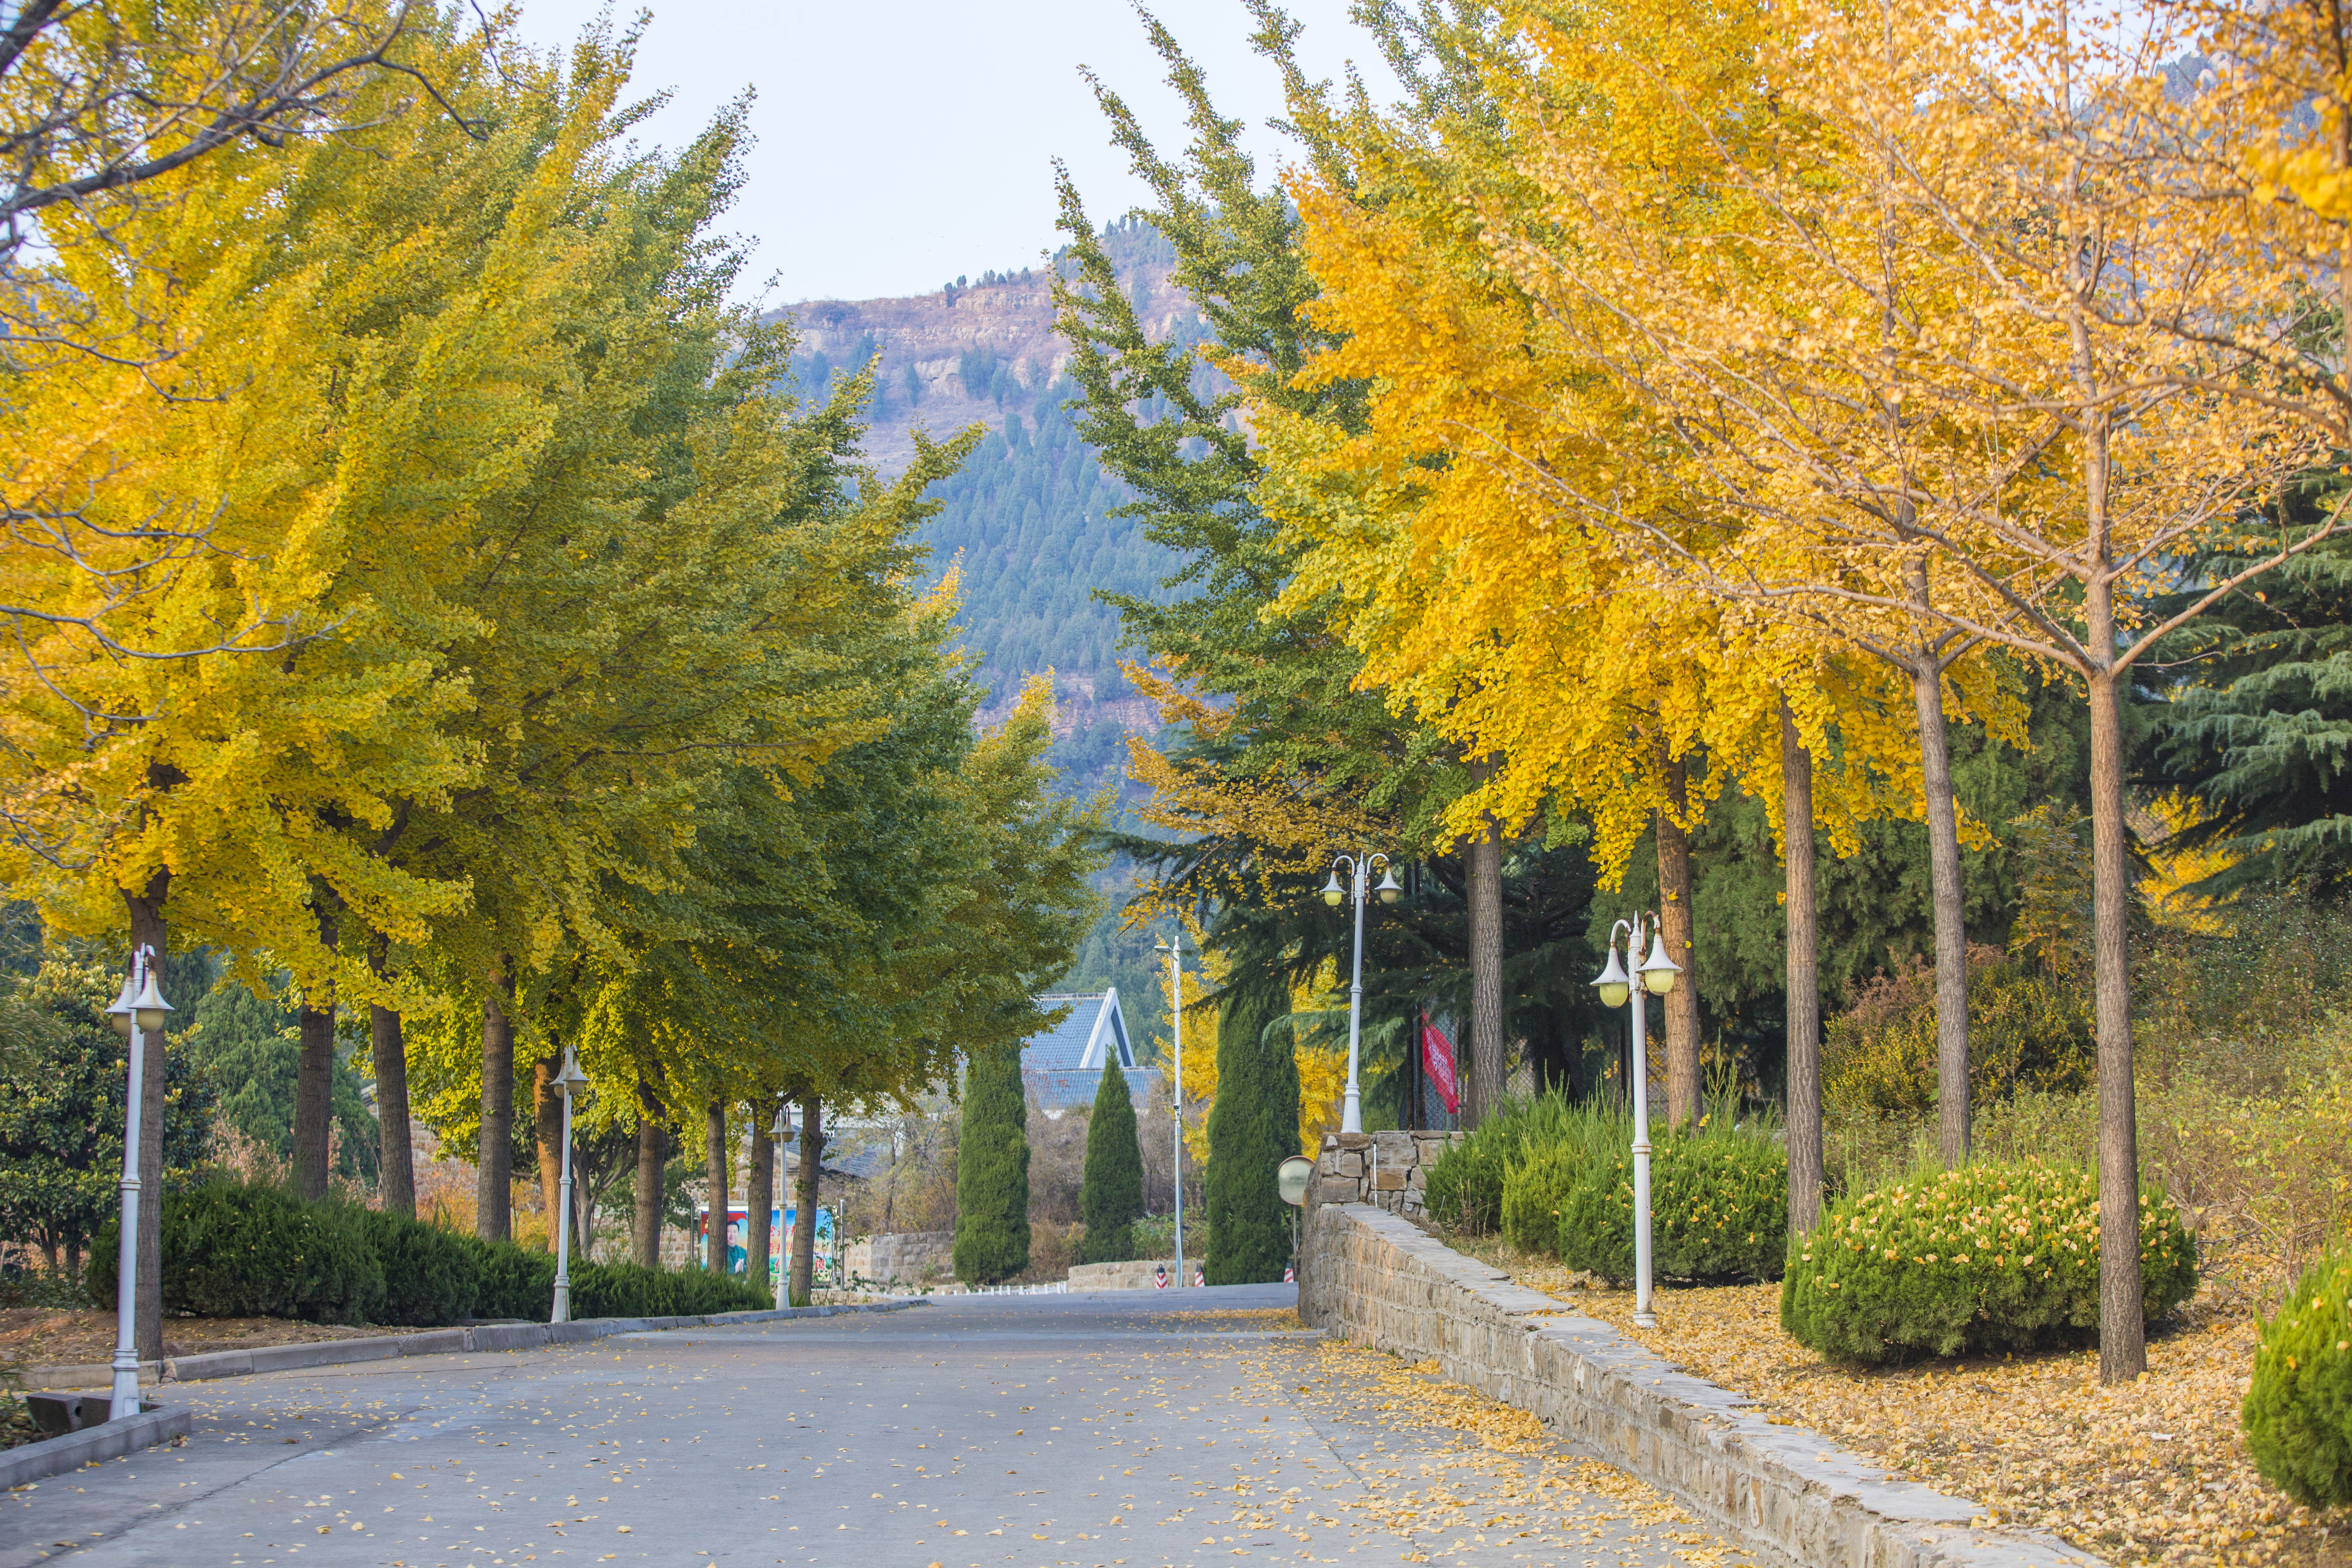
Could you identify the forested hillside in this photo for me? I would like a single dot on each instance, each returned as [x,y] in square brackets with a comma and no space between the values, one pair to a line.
[1027,523]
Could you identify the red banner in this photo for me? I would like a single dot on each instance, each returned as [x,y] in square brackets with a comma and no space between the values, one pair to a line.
[1437,1059]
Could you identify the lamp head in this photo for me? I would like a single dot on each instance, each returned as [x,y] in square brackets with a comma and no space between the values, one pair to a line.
[1334,894]
[1658,970]
[149,1006]
[569,1079]
[120,1014]
[1390,890]
[1611,981]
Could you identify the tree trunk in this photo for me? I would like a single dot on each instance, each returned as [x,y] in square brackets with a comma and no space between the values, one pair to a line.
[149,930]
[2123,1333]
[810,1158]
[644,1232]
[1951,924]
[1674,921]
[714,1171]
[1804,1125]
[1485,894]
[758,1197]
[547,1131]
[494,1175]
[314,1095]
[396,1181]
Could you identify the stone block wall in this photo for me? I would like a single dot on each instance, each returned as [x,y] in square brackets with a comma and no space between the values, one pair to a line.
[1386,1170]
[908,1258]
[1788,1494]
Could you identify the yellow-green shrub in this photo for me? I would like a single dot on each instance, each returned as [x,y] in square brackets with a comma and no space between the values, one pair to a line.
[1535,1186]
[1718,1209]
[1985,1257]
[2298,1409]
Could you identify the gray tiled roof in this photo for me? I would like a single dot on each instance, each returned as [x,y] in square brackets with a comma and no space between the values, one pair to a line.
[1063,1068]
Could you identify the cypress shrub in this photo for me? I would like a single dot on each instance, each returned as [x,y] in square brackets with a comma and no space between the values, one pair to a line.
[1253,1128]
[237,1249]
[430,1274]
[1955,1262]
[2298,1408]
[1110,1188]
[992,1234]
[1718,1209]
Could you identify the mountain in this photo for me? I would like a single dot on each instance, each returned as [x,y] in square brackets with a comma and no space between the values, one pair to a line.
[1027,523]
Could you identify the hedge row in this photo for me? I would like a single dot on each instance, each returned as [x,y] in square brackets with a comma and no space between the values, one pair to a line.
[249,1249]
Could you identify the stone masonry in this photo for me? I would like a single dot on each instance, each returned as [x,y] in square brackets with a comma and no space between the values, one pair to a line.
[1369,1275]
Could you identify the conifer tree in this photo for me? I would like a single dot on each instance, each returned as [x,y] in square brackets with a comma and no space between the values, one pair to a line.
[992,1236]
[1253,1126]
[1110,1189]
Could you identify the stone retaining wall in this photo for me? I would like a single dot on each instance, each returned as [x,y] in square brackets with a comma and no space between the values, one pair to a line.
[1786,1494]
[1132,1275]
[905,1257]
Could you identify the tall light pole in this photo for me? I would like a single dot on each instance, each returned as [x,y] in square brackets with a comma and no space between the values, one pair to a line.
[138,1012]
[1358,870]
[568,1082]
[1175,952]
[786,1132]
[1657,978]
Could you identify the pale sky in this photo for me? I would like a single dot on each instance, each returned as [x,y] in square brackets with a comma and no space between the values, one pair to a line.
[902,143]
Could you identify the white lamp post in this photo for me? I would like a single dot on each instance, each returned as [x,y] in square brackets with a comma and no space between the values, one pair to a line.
[1657,977]
[787,1131]
[136,1012]
[1175,952]
[1359,870]
[569,1081]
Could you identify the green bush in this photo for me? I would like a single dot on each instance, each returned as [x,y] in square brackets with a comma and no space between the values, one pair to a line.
[1989,1256]
[1535,1188]
[511,1281]
[430,1274]
[1110,1185]
[1465,1187]
[2298,1409]
[627,1290]
[1718,1209]
[248,1249]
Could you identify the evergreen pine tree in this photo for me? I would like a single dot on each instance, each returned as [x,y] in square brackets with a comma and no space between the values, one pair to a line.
[1110,1191]
[992,1234]
[1252,1127]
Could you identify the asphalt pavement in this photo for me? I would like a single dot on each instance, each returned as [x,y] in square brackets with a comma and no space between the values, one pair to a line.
[1174,1428]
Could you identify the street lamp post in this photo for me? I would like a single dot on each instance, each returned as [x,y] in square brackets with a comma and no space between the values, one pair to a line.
[787,1131]
[1175,952]
[138,1012]
[1657,978]
[1359,870]
[568,1082]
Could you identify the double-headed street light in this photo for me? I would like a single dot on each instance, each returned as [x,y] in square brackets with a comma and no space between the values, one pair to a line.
[1359,870]
[569,1081]
[140,1011]
[1657,978]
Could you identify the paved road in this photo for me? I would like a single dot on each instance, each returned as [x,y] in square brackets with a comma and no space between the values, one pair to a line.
[1124,1428]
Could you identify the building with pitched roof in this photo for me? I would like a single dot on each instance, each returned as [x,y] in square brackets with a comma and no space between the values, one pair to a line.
[1063,1068]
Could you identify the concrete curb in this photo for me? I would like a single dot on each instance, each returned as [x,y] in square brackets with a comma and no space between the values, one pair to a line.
[435,1342]
[1788,1494]
[107,1440]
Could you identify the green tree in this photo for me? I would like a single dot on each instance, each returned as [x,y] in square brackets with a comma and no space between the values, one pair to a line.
[1253,1128]
[992,1234]
[1110,1187]
[251,1047]
[61,1110]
